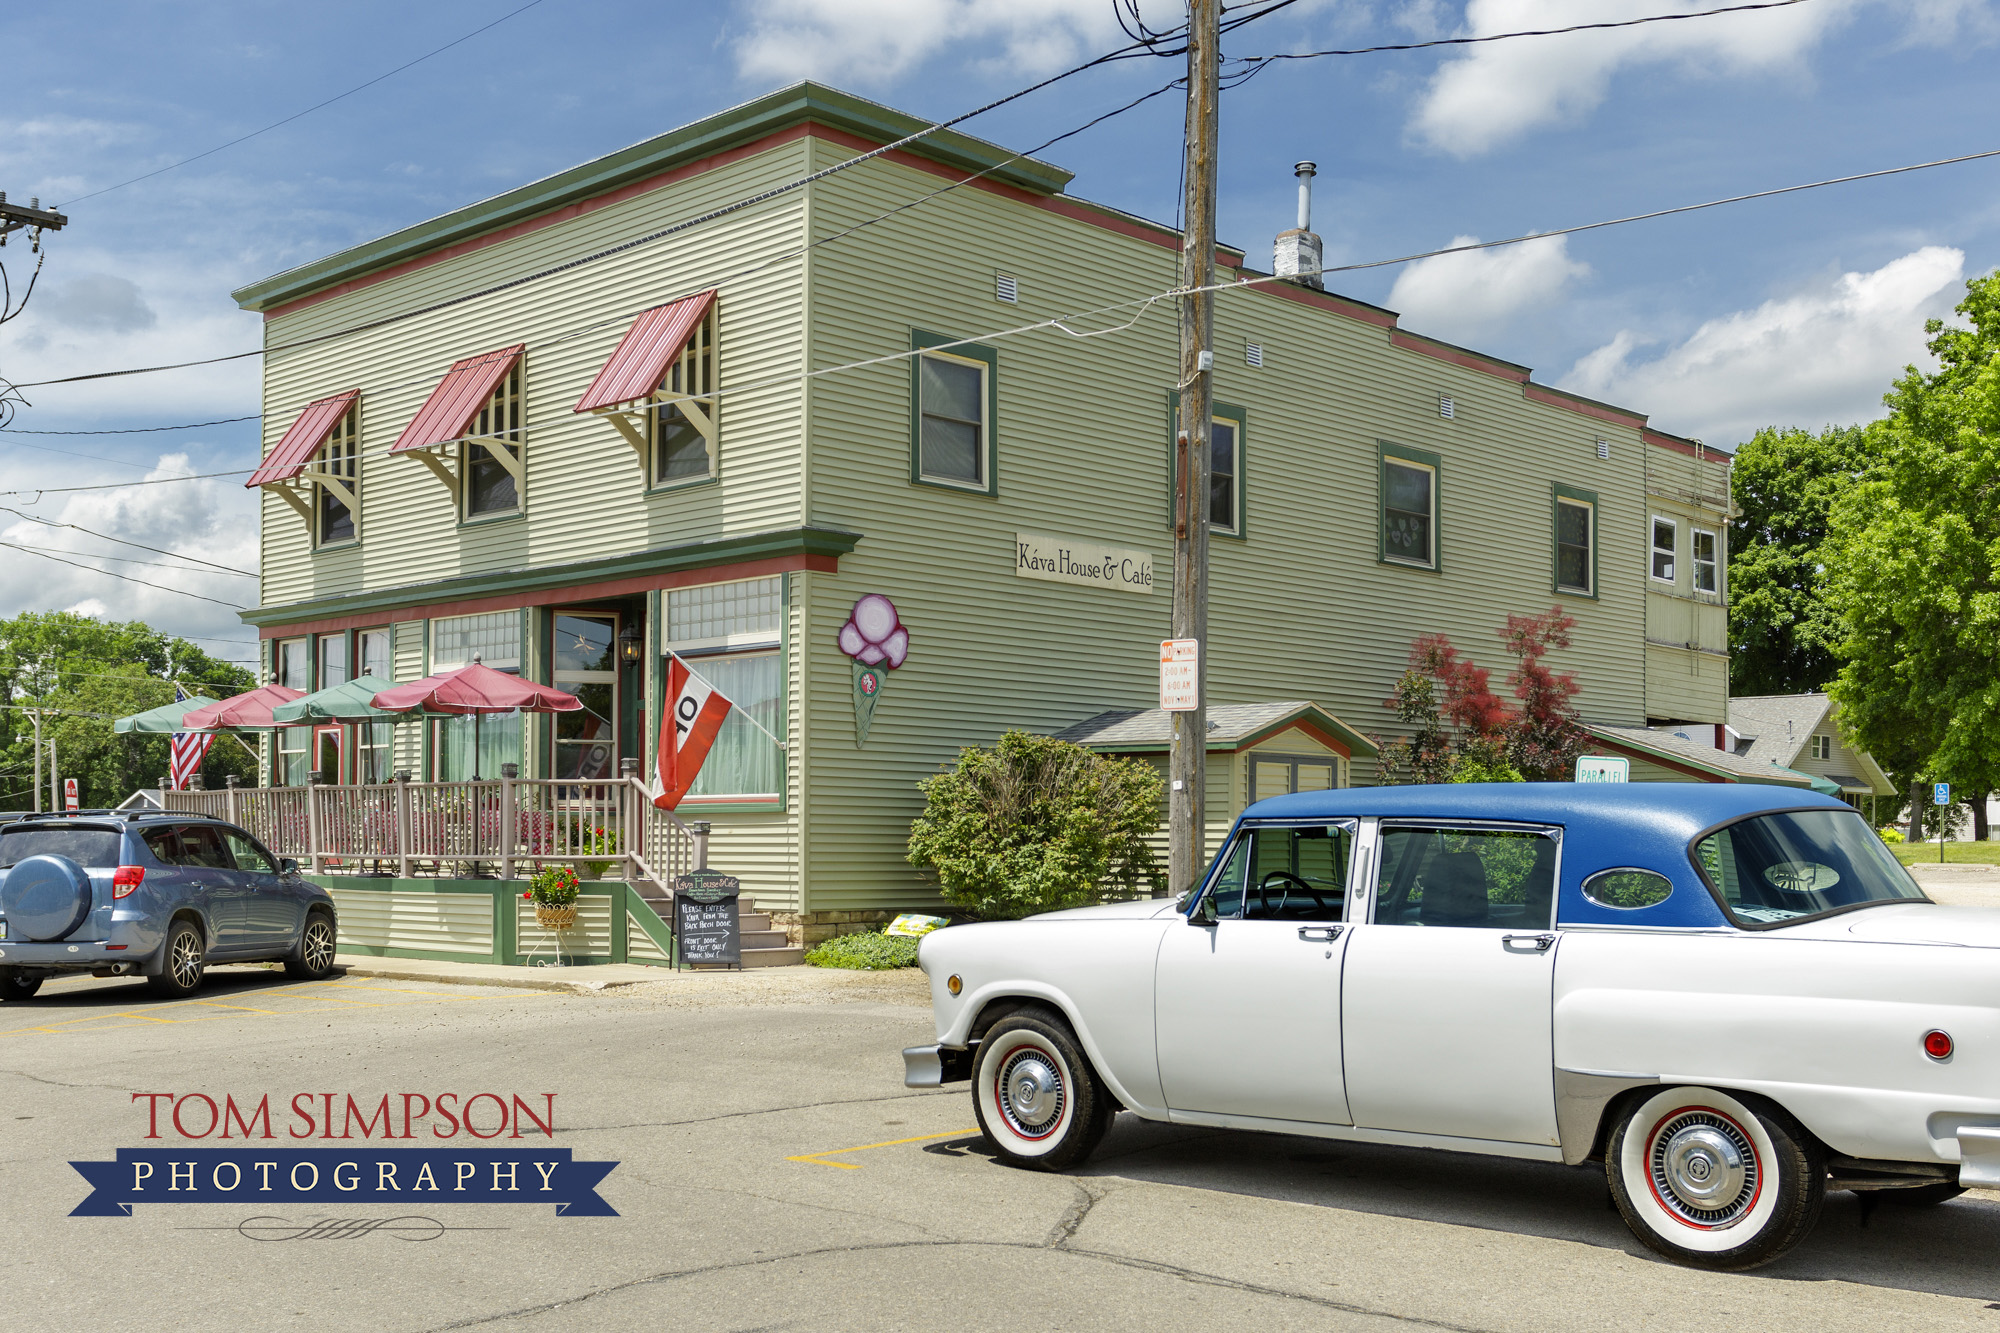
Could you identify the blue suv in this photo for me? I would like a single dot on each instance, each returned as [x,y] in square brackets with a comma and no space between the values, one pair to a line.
[157,894]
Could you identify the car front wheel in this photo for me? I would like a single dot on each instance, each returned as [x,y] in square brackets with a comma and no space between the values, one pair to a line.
[1710,1181]
[181,969]
[1035,1095]
[313,959]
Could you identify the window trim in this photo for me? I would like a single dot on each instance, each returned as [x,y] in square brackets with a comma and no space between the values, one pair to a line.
[1673,580]
[346,430]
[1385,452]
[1695,562]
[924,343]
[515,381]
[1821,740]
[1231,415]
[1559,495]
[710,328]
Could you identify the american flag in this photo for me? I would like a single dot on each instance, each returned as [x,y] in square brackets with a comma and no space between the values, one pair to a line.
[189,749]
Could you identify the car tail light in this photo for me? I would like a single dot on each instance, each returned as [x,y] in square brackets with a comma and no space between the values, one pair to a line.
[1937,1045]
[125,879]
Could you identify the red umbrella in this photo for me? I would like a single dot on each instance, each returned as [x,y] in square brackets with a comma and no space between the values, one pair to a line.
[477,689]
[250,711]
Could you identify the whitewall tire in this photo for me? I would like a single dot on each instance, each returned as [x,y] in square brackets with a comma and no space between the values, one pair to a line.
[1035,1094]
[1710,1180]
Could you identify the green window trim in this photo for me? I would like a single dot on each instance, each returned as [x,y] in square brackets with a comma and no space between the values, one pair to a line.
[1557,494]
[1386,453]
[1237,417]
[921,341]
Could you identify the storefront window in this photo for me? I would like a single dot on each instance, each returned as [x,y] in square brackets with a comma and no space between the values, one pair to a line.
[294,670]
[744,762]
[586,666]
[495,639]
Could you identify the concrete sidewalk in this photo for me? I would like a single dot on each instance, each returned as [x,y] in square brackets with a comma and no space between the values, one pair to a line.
[592,979]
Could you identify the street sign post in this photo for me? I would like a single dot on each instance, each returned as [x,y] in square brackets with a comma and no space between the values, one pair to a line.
[1180,675]
[1940,796]
[1603,768]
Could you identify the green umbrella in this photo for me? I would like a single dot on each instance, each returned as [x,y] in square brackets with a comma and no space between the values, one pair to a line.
[339,703]
[165,718]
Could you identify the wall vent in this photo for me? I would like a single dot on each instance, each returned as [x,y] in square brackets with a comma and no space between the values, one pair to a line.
[1253,354]
[1604,448]
[1446,407]
[1004,288]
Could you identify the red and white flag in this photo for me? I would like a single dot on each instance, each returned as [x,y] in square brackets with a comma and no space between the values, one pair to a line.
[695,710]
[186,752]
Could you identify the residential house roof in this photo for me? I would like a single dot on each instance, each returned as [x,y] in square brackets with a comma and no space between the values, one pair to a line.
[1230,727]
[1698,758]
[1776,727]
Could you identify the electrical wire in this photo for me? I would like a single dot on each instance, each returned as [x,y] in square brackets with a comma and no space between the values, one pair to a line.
[136,430]
[123,541]
[113,574]
[128,560]
[456,41]
[39,491]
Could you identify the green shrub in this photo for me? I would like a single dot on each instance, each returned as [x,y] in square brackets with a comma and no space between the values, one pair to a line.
[869,952]
[1890,835]
[1036,824]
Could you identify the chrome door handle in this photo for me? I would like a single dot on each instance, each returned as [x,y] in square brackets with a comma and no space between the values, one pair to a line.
[1319,934]
[1543,943]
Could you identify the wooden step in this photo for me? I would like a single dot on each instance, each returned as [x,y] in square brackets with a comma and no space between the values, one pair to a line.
[788,957]
[764,939]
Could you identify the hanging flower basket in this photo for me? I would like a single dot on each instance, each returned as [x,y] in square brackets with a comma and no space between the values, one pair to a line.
[553,892]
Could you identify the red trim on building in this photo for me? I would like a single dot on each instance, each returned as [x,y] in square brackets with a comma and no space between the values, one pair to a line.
[1339,747]
[1339,305]
[1458,356]
[1617,416]
[577,592]
[1661,440]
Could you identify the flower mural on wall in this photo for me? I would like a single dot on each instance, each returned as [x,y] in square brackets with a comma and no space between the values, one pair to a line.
[875,637]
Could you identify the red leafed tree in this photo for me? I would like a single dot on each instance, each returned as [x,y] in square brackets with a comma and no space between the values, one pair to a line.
[1544,734]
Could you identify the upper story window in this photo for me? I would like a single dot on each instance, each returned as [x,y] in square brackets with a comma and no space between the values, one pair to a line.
[953,404]
[469,433]
[1822,747]
[1707,562]
[1409,506]
[490,464]
[316,468]
[1576,541]
[660,389]
[1666,547]
[1227,430]
[684,430]
[336,478]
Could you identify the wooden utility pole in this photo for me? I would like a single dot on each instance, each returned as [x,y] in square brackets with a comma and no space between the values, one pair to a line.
[1187,769]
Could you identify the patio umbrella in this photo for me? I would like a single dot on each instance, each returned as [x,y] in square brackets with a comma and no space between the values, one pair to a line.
[166,718]
[477,689]
[352,702]
[249,711]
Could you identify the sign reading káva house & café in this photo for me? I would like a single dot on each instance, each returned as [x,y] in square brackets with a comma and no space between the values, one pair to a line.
[1060,560]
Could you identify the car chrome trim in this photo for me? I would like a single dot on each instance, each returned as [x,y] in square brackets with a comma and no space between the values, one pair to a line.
[1979,1156]
[1581,1096]
[1320,934]
[921,1067]
[1534,1152]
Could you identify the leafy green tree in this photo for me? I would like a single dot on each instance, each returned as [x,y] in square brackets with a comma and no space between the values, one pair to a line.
[1037,824]
[1783,630]
[1913,568]
[85,673]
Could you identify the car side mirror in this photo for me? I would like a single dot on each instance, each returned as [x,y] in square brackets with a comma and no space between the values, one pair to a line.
[287,866]
[1204,912]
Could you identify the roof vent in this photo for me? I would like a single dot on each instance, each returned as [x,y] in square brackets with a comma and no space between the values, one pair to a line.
[1253,354]
[1446,407]
[1604,448]
[1297,254]
[1004,288]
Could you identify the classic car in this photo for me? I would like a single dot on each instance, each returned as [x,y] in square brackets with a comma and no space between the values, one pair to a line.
[1732,996]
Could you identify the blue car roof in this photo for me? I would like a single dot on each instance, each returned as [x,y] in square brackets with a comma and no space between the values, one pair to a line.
[1606,826]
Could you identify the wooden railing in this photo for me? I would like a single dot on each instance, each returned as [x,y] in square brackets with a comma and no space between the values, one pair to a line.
[508,827]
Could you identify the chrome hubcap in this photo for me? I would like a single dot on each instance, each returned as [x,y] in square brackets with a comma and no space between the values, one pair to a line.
[1704,1168]
[1031,1091]
[186,961]
[319,945]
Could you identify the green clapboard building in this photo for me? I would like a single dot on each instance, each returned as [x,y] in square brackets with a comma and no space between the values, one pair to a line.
[654,404]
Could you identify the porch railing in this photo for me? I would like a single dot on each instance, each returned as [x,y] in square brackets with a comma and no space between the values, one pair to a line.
[511,827]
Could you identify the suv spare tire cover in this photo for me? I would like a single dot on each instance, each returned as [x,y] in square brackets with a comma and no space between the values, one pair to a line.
[45,897]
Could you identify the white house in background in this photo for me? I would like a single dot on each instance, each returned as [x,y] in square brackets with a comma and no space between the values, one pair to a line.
[1803,732]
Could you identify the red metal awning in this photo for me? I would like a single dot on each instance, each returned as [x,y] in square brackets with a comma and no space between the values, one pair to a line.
[448,412]
[303,440]
[644,354]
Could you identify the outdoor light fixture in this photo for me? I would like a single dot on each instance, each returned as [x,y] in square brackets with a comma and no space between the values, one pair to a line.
[631,644]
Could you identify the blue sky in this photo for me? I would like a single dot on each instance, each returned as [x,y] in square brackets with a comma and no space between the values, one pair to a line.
[1792,311]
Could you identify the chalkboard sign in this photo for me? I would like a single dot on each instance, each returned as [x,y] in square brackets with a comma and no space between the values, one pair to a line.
[706,926]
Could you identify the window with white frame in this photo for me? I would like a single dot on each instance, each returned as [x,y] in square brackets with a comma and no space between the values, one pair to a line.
[952,443]
[374,741]
[1822,747]
[490,461]
[292,665]
[1707,562]
[336,499]
[463,746]
[684,433]
[1409,506]
[332,661]
[1666,546]
[730,634]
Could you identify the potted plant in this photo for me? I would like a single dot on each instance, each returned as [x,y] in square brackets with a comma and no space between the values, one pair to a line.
[553,892]
[598,841]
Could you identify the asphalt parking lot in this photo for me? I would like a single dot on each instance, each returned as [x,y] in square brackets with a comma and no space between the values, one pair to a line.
[774,1174]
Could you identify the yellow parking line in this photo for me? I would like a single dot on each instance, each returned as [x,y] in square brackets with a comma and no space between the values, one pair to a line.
[819,1158]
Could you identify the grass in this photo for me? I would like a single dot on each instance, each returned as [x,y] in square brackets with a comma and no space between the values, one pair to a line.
[868,951]
[1955,853]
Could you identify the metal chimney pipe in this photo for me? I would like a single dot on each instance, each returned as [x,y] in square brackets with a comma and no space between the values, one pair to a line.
[1305,171]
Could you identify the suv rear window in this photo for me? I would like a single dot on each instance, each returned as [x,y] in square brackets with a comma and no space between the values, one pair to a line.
[93,847]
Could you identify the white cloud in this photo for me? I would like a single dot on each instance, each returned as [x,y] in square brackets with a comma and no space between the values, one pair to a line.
[1465,297]
[1822,355]
[1498,92]
[875,41]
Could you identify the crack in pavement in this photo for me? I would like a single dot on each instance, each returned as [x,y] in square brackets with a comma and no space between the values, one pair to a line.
[768,1110]
[1099,1256]
[1072,1218]
[56,1083]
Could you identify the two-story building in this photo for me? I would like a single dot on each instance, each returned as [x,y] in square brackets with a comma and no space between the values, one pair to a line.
[675,401]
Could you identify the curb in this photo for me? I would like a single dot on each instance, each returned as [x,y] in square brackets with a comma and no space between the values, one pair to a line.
[390,972]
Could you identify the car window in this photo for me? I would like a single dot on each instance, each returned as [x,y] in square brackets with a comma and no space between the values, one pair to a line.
[1297,874]
[198,845]
[1227,892]
[1783,867]
[1502,879]
[90,847]
[249,856]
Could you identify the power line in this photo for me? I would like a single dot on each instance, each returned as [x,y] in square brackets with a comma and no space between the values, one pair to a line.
[39,491]
[127,560]
[308,111]
[135,430]
[73,453]
[113,574]
[123,541]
